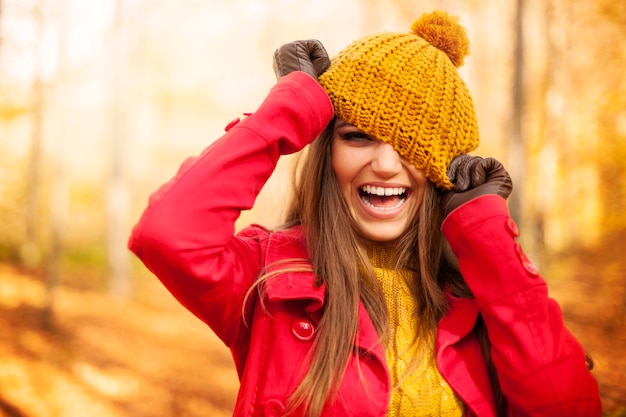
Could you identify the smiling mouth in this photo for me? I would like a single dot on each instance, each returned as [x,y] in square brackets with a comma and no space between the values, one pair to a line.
[383,198]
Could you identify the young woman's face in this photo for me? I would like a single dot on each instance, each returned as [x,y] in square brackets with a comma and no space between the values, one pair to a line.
[382,189]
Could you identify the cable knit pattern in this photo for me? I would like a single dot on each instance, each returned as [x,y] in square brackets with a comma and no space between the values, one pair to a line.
[419,389]
[406,91]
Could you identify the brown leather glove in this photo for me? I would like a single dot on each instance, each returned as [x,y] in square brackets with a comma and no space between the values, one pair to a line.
[473,177]
[305,55]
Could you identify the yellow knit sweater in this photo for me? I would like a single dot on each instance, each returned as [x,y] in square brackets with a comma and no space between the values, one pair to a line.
[418,387]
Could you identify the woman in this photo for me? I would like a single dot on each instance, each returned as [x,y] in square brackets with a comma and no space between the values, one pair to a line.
[395,286]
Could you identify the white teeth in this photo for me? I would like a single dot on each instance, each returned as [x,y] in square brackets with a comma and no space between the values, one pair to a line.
[395,206]
[382,191]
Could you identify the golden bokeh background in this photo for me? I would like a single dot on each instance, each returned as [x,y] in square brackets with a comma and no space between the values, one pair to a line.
[100,102]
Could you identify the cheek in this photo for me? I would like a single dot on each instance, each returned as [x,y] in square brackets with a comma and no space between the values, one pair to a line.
[341,163]
[420,182]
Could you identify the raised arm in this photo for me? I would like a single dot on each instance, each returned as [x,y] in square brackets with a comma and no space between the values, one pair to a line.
[186,234]
[541,367]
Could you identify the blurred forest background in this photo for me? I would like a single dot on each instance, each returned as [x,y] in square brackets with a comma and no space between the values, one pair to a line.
[101,100]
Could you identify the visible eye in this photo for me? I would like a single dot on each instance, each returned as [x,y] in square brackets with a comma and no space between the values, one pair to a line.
[355,136]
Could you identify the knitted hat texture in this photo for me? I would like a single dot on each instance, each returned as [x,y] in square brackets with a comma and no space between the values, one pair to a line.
[404,89]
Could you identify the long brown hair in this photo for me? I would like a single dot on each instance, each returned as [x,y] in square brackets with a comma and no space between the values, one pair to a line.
[340,262]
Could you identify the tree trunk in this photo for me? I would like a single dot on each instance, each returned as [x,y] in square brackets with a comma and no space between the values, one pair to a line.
[117,189]
[30,251]
[1,33]
[516,145]
[59,193]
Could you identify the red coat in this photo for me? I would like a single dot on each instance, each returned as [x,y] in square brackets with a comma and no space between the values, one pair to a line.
[186,237]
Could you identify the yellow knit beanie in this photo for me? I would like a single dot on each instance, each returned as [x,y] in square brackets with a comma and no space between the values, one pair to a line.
[404,89]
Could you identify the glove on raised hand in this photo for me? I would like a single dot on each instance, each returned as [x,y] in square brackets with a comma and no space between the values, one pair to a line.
[305,55]
[473,177]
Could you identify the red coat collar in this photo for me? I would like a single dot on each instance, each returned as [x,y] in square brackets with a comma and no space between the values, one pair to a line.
[286,251]
[300,285]
[458,322]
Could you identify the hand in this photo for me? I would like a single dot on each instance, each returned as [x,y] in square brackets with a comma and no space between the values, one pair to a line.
[306,55]
[473,177]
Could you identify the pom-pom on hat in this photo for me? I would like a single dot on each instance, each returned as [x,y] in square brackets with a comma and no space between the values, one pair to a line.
[404,89]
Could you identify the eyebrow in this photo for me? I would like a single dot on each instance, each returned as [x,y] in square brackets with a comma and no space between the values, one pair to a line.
[342,123]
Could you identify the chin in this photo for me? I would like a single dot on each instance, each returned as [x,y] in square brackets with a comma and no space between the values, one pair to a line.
[381,235]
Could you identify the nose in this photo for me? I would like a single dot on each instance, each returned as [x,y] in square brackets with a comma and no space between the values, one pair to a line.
[386,161]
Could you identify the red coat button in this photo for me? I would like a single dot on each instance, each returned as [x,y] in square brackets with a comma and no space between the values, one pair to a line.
[526,263]
[303,329]
[512,227]
[232,124]
[273,408]
[530,267]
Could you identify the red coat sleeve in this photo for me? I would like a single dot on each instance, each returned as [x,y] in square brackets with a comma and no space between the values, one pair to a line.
[540,365]
[186,234]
